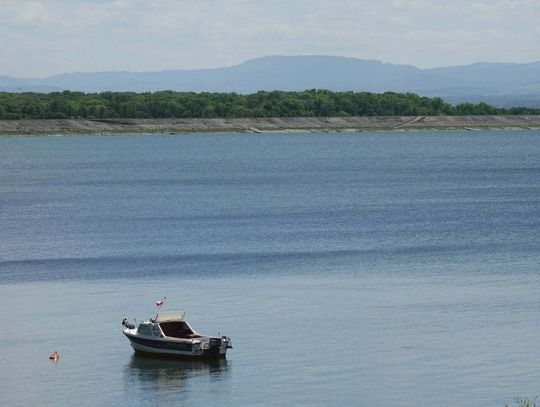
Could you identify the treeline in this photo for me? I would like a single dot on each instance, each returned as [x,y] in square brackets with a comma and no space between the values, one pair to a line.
[169,104]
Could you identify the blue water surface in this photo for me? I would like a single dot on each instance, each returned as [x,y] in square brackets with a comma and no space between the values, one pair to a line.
[376,269]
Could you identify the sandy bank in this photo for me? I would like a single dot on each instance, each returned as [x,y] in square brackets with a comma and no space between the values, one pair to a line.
[255,125]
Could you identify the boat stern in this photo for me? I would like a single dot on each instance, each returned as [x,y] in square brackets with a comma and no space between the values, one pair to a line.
[216,347]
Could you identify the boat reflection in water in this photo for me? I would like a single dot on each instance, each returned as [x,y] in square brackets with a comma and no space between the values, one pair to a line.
[170,376]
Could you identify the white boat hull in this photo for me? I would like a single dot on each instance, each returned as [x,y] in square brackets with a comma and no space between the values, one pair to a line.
[178,348]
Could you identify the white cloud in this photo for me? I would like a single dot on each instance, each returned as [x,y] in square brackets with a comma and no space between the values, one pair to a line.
[42,37]
[33,11]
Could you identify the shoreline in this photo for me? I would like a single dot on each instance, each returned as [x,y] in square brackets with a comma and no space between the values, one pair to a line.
[29,127]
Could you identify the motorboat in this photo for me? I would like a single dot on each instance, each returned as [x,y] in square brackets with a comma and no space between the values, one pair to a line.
[169,334]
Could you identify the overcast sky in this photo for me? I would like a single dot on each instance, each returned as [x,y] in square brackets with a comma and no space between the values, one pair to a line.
[44,37]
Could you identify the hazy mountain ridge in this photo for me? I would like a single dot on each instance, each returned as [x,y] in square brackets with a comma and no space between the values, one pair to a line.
[501,84]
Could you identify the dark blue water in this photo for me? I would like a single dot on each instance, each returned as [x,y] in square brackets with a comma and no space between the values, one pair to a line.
[365,268]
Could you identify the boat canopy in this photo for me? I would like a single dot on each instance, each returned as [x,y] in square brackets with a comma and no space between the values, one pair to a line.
[170,316]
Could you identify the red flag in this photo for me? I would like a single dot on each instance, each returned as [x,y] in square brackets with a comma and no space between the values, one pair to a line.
[159,303]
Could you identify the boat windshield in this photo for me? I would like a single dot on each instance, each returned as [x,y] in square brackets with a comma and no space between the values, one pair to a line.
[177,329]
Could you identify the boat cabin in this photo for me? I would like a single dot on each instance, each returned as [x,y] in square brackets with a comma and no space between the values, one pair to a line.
[171,324]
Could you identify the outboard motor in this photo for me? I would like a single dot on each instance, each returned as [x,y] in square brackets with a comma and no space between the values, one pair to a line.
[229,342]
[214,346]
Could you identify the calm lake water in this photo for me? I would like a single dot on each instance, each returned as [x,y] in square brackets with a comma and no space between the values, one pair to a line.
[369,269]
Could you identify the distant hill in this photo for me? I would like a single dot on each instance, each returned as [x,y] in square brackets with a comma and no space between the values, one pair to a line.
[499,84]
